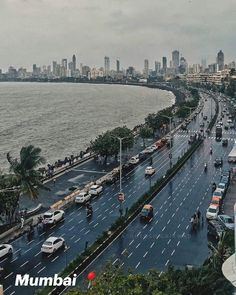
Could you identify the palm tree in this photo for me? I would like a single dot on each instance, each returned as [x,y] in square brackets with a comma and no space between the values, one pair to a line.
[26,179]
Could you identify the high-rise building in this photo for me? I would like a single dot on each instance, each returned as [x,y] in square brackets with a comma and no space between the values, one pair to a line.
[107,65]
[146,68]
[64,63]
[54,68]
[183,66]
[220,60]
[164,64]
[157,66]
[74,63]
[117,66]
[175,59]
[204,64]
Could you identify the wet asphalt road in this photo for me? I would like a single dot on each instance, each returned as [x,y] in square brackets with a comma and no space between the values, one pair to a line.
[169,231]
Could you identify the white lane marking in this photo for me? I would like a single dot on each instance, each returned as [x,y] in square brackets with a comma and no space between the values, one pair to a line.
[178,243]
[115,261]
[138,245]
[95,225]
[41,269]
[87,232]
[24,263]
[130,254]
[37,254]
[131,242]
[163,251]
[167,262]
[28,250]
[55,259]
[172,252]
[145,254]
[37,264]
[77,240]
[152,244]
[169,242]
[164,228]
[8,275]
[7,288]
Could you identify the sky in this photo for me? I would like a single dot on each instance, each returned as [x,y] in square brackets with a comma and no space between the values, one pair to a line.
[39,31]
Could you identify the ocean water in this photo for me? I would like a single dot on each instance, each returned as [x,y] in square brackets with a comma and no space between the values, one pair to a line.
[62,118]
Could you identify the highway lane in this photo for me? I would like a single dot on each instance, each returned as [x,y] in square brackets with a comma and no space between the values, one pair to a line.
[28,258]
[167,239]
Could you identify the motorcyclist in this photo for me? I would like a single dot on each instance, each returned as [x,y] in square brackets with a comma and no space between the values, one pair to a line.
[213,186]
[211,151]
[205,166]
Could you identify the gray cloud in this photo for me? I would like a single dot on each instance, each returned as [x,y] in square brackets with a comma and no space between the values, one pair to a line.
[39,31]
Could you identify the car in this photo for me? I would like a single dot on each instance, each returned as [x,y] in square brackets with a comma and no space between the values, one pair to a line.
[82,197]
[204,117]
[95,190]
[226,127]
[134,160]
[214,228]
[149,150]
[225,172]
[228,113]
[147,212]
[142,156]
[229,121]
[212,212]
[215,201]
[225,180]
[231,126]
[154,147]
[222,186]
[202,125]
[5,249]
[218,162]
[52,244]
[225,142]
[217,193]
[226,221]
[52,217]
[220,123]
[149,171]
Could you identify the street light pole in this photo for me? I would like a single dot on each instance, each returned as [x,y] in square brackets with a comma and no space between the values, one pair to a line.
[170,154]
[120,139]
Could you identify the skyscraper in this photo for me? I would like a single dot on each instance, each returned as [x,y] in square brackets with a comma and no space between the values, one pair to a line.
[175,59]
[106,65]
[64,63]
[164,64]
[146,68]
[220,60]
[117,66]
[157,66]
[74,63]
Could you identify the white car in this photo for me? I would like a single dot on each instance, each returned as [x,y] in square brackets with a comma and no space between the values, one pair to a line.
[5,249]
[95,190]
[134,160]
[82,197]
[212,212]
[149,150]
[222,187]
[52,244]
[149,170]
[52,217]
[217,193]
[229,121]
[154,147]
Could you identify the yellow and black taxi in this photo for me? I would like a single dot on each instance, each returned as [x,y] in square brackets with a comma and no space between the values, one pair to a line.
[147,212]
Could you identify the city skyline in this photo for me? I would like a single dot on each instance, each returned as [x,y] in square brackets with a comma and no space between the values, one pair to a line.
[45,30]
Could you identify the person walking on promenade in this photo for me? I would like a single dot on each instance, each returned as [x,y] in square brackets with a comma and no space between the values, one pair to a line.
[54,181]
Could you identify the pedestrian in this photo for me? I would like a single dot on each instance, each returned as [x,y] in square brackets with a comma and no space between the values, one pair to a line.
[22,222]
[198,215]
[54,181]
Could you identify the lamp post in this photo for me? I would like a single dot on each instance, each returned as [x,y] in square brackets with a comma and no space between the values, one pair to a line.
[170,154]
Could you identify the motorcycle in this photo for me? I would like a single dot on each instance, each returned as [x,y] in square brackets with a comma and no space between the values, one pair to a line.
[213,187]
[211,151]
[89,210]
[205,167]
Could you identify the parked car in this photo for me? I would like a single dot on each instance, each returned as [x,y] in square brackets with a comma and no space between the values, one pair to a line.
[83,197]
[149,171]
[52,244]
[5,249]
[225,180]
[218,162]
[212,212]
[229,121]
[142,156]
[226,221]
[134,160]
[52,217]
[149,150]
[205,117]
[217,193]
[215,201]
[222,186]
[214,228]
[95,190]
[225,142]
[147,212]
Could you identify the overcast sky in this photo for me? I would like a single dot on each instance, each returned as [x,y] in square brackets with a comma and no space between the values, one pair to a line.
[39,31]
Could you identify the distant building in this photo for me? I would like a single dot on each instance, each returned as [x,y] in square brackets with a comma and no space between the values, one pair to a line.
[164,64]
[73,63]
[183,66]
[157,67]
[85,71]
[146,68]
[107,65]
[130,72]
[220,60]
[175,59]
[117,66]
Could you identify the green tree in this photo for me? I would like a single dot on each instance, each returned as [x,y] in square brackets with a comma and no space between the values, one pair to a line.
[145,132]
[24,179]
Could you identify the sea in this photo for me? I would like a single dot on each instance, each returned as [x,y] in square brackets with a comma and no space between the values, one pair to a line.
[62,118]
